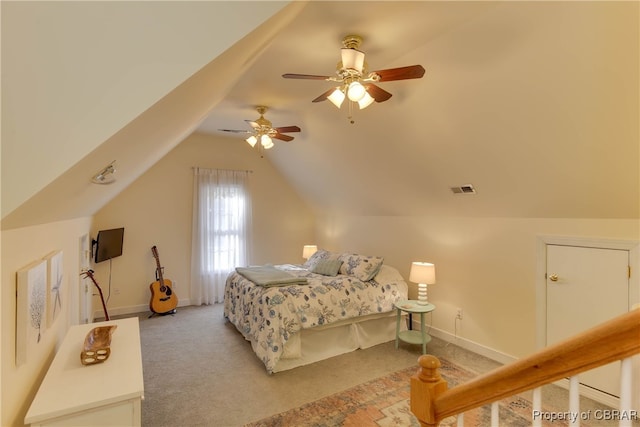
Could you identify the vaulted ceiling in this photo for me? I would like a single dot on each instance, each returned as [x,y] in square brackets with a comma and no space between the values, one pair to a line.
[533,103]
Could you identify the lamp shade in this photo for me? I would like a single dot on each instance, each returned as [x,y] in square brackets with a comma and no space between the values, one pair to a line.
[309,250]
[365,101]
[423,272]
[266,142]
[336,97]
[252,140]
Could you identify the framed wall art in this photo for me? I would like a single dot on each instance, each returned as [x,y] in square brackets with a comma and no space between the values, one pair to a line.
[54,286]
[31,310]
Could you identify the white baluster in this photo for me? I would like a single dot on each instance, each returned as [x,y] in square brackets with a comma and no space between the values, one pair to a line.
[460,420]
[537,406]
[625,392]
[574,400]
[495,415]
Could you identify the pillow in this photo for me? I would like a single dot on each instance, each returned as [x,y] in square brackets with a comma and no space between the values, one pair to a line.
[360,266]
[387,274]
[319,255]
[327,267]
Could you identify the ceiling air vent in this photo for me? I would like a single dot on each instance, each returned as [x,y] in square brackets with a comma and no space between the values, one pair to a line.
[464,189]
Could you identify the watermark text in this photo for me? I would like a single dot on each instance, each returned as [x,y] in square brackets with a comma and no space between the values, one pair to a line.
[597,414]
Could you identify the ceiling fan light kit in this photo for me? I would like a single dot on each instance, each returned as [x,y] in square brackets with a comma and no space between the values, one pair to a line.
[263,131]
[356,84]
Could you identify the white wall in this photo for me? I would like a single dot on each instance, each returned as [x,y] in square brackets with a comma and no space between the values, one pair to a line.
[96,66]
[21,247]
[486,266]
[157,210]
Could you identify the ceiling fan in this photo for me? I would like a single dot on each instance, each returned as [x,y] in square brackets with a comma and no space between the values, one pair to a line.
[356,83]
[263,131]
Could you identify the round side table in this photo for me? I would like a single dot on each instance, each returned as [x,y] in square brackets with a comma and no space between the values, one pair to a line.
[411,336]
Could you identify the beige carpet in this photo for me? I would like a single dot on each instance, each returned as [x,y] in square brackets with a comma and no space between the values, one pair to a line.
[199,371]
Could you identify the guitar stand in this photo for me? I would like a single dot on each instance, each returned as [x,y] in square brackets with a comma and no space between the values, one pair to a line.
[89,274]
[172,312]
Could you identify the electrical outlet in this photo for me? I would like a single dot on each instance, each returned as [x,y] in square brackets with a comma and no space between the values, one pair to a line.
[459,315]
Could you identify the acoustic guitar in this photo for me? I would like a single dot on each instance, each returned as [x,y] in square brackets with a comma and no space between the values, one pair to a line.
[163,299]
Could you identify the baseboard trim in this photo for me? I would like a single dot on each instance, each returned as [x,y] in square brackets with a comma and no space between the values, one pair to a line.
[473,346]
[132,309]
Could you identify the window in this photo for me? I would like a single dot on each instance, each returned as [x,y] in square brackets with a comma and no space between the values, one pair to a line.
[221,234]
[227,213]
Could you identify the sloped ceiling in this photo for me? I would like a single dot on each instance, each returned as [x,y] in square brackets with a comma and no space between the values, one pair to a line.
[86,83]
[534,103]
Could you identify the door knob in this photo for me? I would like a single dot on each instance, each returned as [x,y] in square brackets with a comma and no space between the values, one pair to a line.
[553,277]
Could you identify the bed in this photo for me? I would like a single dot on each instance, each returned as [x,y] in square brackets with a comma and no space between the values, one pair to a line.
[331,305]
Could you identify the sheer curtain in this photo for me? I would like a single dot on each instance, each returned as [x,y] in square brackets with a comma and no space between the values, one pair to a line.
[221,235]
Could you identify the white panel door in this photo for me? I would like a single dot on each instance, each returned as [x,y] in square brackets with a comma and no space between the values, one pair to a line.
[585,287]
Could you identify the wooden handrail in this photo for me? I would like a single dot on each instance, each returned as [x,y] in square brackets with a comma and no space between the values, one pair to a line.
[613,340]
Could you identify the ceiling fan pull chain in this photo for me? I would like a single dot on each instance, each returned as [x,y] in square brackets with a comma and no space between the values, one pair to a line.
[351,113]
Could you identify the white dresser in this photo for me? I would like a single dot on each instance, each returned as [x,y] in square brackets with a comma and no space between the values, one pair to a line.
[105,394]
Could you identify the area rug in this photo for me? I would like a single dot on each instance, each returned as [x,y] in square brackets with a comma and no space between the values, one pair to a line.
[384,402]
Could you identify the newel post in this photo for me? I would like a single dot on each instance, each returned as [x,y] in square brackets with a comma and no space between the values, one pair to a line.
[426,386]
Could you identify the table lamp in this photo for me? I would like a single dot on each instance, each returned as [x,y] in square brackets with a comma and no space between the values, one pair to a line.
[422,273]
[309,250]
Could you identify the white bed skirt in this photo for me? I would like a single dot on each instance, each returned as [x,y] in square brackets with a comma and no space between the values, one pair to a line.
[312,345]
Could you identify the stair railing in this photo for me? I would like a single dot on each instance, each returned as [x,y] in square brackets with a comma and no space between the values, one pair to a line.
[615,340]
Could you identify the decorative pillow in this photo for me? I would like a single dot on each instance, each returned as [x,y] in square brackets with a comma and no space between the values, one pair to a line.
[360,266]
[319,255]
[387,274]
[327,267]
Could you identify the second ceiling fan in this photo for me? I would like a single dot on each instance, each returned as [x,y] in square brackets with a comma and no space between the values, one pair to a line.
[263,131]
[356,83]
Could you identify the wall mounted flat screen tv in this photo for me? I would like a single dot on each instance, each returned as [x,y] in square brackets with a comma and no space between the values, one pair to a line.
[109,244]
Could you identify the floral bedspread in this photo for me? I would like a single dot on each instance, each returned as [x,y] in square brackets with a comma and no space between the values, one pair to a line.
[268,316]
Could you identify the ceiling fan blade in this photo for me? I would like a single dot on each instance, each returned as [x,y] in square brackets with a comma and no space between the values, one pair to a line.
[234,130]
[253,124]
[283,137]
[304,76]
[286,129]
[402,73]
[377,93]
[324,95]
